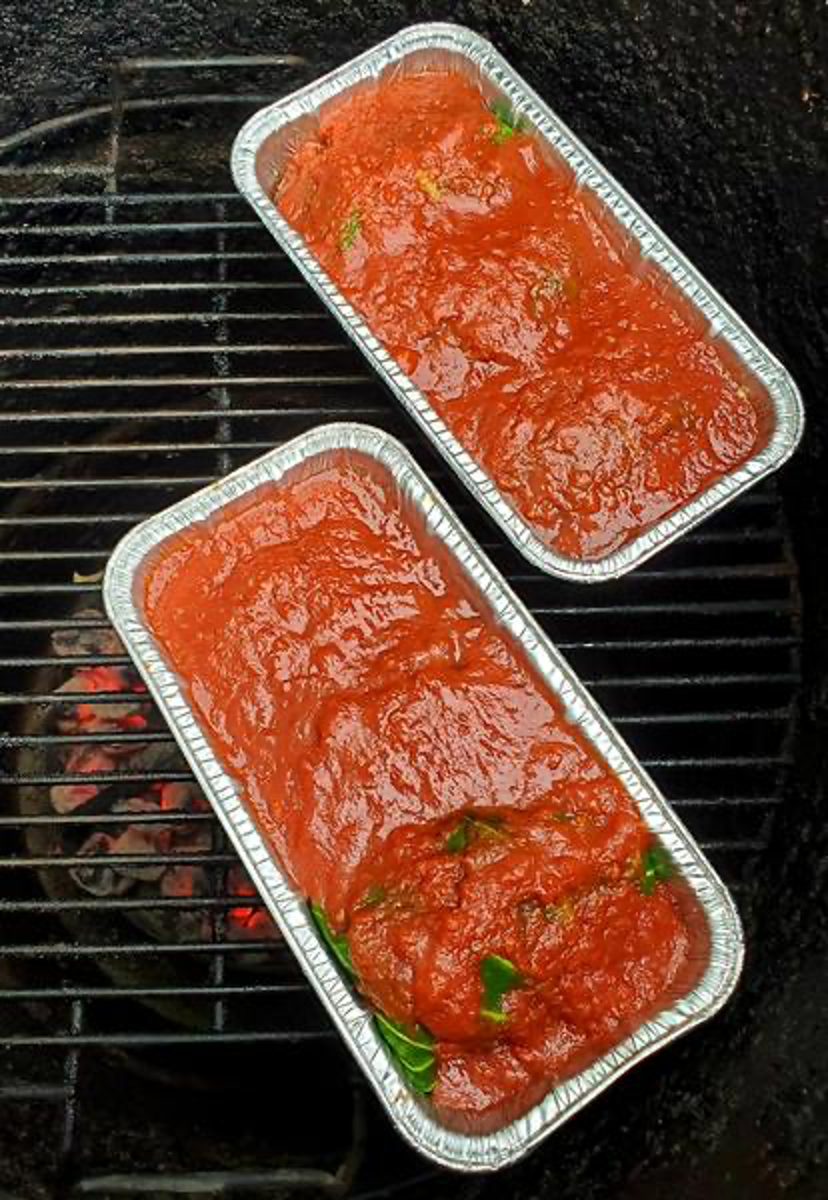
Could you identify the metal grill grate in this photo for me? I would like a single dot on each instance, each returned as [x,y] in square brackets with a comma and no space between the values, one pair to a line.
[152,340]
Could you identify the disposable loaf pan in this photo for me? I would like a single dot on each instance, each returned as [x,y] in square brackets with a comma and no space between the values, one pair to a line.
[266,140]
[721,955]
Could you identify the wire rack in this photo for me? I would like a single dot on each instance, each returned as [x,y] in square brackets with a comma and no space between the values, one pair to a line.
[152,339]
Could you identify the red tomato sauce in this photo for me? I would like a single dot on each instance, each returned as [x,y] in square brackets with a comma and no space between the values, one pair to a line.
[420,782]
[580,379]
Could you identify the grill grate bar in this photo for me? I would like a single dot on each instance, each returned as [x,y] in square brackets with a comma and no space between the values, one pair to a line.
[42,778]
[125,481]
[123,199]
[50,556]
[241,1181]
[141,738]
[169,256]
[174,285]
[598,681]
[195,318]
[727,801]
[218,858]
[194,858]
[125,949]
[71,820]
[194,348]
[191,482]
[195,991]
[702,571]
[222,904]
[771,534]
[139,818]
[123,228]
[707,717]
[186,414]
[784,604]
[118,738]
[671,681]
[130,903]
[103,777]
[768,641]
[248,1037]
[198,381]
[72,519]
[205,447]
[69,660]
[33,1091]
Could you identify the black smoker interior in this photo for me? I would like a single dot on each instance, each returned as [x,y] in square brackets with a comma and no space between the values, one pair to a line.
[153,1039]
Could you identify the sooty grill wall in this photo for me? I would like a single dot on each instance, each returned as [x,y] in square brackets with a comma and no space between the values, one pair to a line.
[125,247]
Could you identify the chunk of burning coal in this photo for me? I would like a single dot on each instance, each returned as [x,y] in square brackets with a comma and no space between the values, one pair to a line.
[104,879]
[247,920]
[79,640]
[80,760]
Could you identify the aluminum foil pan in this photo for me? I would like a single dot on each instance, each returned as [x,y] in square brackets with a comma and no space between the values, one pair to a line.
[259,153]
[413,1116]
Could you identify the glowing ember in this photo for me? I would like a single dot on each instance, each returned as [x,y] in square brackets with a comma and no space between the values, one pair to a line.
[127,709]
[249,921]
